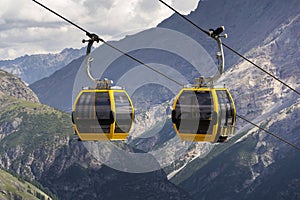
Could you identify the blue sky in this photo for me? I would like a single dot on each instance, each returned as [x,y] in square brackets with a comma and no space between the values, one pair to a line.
[26,28]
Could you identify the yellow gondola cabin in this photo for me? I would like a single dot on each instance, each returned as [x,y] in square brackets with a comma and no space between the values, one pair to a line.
[103,114]
[204,114]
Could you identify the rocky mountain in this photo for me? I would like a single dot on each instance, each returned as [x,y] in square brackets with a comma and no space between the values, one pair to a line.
[31,68]
[258,94]
[254,30]
[61,82]
[247,23]
[37,142]
[254,164]
[13,87]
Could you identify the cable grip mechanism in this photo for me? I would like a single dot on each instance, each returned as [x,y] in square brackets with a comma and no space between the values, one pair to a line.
[93,38]
[216,34]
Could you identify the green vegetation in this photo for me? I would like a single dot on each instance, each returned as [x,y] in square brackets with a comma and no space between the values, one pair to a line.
[4,73]
[40,126]
[31,131]
[12,187]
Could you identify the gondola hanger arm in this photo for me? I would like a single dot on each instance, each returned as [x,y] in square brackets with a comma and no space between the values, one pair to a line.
[94,37]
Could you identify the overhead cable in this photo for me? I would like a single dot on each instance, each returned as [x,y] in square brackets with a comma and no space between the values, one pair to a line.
[96,38]
[231,49]
[270,133]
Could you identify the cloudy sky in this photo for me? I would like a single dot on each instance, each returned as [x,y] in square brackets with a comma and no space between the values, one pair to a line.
[26,28]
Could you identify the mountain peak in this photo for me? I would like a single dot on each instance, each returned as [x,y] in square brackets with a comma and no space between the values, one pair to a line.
[13,87]
[31,68]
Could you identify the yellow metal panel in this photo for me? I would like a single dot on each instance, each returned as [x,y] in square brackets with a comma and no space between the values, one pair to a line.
[94,137]
[113,109]
[119,136]
[234,108]
[216,109]
[196,137]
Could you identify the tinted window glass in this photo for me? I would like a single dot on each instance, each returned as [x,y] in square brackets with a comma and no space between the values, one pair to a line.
[85,108]
[193,112]
[225,108]
[93,113]
[123,113]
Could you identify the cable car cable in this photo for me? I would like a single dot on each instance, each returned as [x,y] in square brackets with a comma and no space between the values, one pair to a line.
[60,16]
[201,29]
[274,135]
[236,52]
[228,47]
[96,38]
[268,73]
[135,59]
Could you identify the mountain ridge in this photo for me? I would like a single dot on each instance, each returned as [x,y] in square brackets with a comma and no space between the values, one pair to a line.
[230,172]
[31,68]
[238,39]
[13,87]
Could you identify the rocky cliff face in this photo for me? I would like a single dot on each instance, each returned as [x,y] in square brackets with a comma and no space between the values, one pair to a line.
[247,23]
[13,87]
[256,93]
[62,83]
[28,128]
[37,141]
[254,164]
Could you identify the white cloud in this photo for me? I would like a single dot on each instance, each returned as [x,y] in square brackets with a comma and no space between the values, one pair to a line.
[185,7]
[26,28]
